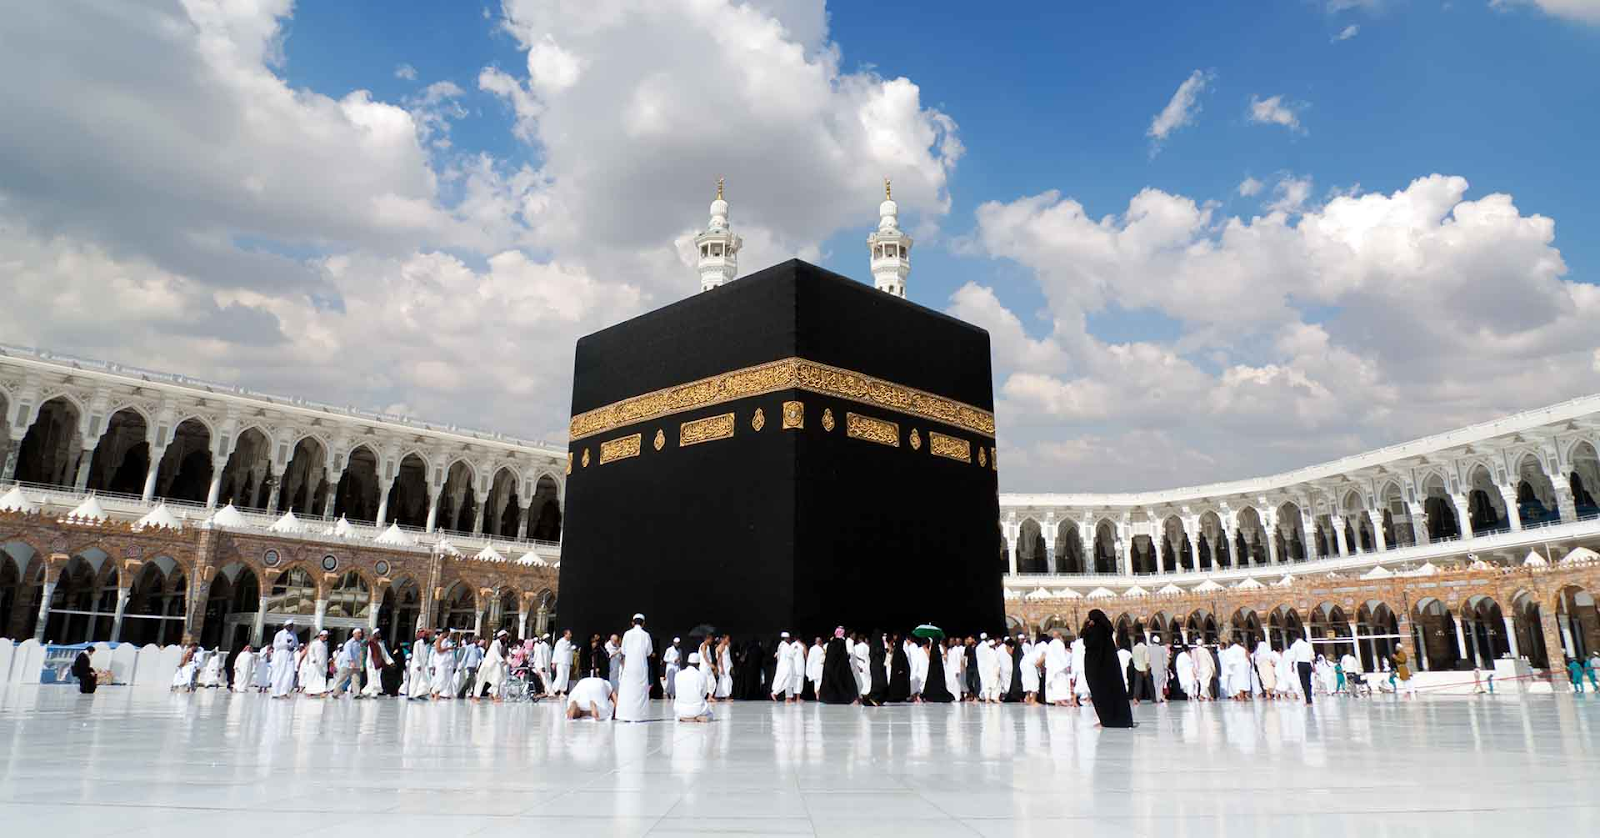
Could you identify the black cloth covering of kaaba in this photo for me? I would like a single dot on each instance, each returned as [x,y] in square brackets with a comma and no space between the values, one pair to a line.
[782,528]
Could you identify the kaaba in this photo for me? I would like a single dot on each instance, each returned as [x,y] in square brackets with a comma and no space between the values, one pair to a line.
[793,451]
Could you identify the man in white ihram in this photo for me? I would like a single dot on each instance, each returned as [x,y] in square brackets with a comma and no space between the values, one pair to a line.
[690,687]
[633,687]
[563,664]
[284,646]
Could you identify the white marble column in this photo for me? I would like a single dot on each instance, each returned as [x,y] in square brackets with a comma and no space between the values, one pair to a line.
[1419,523]
[434,495]
[1461,639]
[322,613]
[1375,520]
[334,476]
[150,475]
[1338,534]
[1511,636]
[1513,513]
[46,591]
[522,520]
[1463,515]
[214,491]
[116,620]
[258,628]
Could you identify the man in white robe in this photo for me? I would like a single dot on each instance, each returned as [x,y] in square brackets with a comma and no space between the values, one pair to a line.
[1205,668]
[284,646]
[814,658]
[954,660]
[1124,659]
[492,672]
[263,679]
[988,669]
[419,682]
[797,668]
[783,673]
[633,689]
[561,675]
[541,662]
[444,666]
[1080,679]
[1183,664]
[591,698]
[1235,670]
[244,670]
[1159,655]
[378,658]
[690,689]
[861,657]
[1057,671]
[314,671]
[669,668]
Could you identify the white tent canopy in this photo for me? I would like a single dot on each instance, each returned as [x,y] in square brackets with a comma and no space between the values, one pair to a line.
[159,518]
[396,536]
[227,516]
[287,523]
[88,512]
[16,501]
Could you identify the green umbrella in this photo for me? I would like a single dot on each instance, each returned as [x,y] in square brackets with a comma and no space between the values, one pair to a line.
[927,630]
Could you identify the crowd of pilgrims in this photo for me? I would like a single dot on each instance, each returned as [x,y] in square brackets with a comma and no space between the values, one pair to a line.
[848,668]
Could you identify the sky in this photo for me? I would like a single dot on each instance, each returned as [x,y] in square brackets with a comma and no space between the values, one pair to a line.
[1208,241]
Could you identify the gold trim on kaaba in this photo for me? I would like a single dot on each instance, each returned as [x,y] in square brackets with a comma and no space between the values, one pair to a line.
[794,415]
[758,421]
[585,458]
[621,448]
[697,431]
[569,462]
[660,440]
[916,440]
[880,431]
[955,448]
[787,374]
[827,418]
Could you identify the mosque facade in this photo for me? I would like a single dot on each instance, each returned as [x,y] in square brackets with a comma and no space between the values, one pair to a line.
[150,507]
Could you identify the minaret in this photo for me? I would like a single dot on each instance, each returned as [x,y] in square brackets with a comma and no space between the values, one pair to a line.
[718,247]
[890,249]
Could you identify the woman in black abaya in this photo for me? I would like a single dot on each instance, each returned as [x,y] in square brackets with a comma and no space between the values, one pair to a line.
[1014,691]
[838,677]
[934,690]
[1103,671]
[747,671]
[880,677]
[899,671]
[974,680]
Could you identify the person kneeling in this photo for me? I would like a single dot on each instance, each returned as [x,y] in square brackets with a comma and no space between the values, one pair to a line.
[591,698]
[690,705]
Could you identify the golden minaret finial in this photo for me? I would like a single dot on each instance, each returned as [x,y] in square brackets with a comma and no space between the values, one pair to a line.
[887,196]
[719,189]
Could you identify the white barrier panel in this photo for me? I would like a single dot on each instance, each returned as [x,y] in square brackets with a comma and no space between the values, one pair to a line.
[123,660]
[7,653]
[29,657]
[146,666]
[161,676]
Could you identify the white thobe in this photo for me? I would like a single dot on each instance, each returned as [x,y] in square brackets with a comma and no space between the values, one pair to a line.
[814,659]
[1235,670]
[1004,666]
[797,667]
[444,670]
[1080,680]
[1185,665]
[1124,657]
[420,686]
[689,685]
[284,645]
[1030,667]
[1204,667]
[953,658]
[563,666]
[783,673]
[917,657]
[725,672]
[314,670]
[1057,669]
[988,671]
[669,671]
[244,671]
[633,687]
[263,676]
[592,692]
[375,665]
[861,656]
[492,672]
[211,674]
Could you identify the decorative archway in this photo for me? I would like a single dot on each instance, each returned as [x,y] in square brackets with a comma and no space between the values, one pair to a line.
[51,446]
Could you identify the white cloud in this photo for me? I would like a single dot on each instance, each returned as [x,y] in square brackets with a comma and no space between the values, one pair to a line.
[1274,111]
[1347,33]
[1430,308]
[1181,109]
[1581,11]
[1250,186]
[406,72]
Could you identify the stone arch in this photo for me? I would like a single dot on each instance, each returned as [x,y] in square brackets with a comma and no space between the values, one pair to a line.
[544,510]
[1358,536]
[87,585]
[1201,626]
[1031,553]
[185,469]
[232,600]
[1176,551]
[1536,494]
[1249,546]
[504,506]
[350,597]
[1143,550]
[1375,622]
[1290,533]
[510,601]
[408,498]
[1528,624]
[303,476]
[1330,630]
[121,459]
[1584,479]
[245,476]
[1434,632]
[458,504]
[1105,546]
[1440,509]
[356,497]
[1284,626]
[294,593]
[1484,625]
[1069,549]
[1486,508]
[403,599]
[1246,628]
[52,444]
[1577,621]
[458,608]
[1214,551]
[1398,529]
[157,601]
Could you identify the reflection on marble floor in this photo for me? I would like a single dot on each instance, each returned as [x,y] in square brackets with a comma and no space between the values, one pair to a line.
[126,762]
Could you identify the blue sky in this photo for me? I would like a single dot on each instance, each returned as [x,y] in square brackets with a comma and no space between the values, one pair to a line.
[443,196]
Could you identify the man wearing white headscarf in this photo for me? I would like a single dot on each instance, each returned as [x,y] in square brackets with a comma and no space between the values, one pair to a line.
[690,704]
[244,670]
[1266,662]
[314,666]
[1159,656]
[633,683]
[284,646]
[861,658]
[815,656]
[1235,670]
[1205,668]
[783,673]
[492,672]
[1057,671]
[988,670]
[1184,664]
[669,668]
[561,660]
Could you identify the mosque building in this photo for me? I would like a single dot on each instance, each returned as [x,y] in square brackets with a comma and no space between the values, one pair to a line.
[153,508]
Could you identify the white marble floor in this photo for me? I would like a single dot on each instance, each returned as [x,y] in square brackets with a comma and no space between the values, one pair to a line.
[126,762]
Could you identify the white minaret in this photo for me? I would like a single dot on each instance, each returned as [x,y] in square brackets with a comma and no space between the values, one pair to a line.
[718,247]
[890,248]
